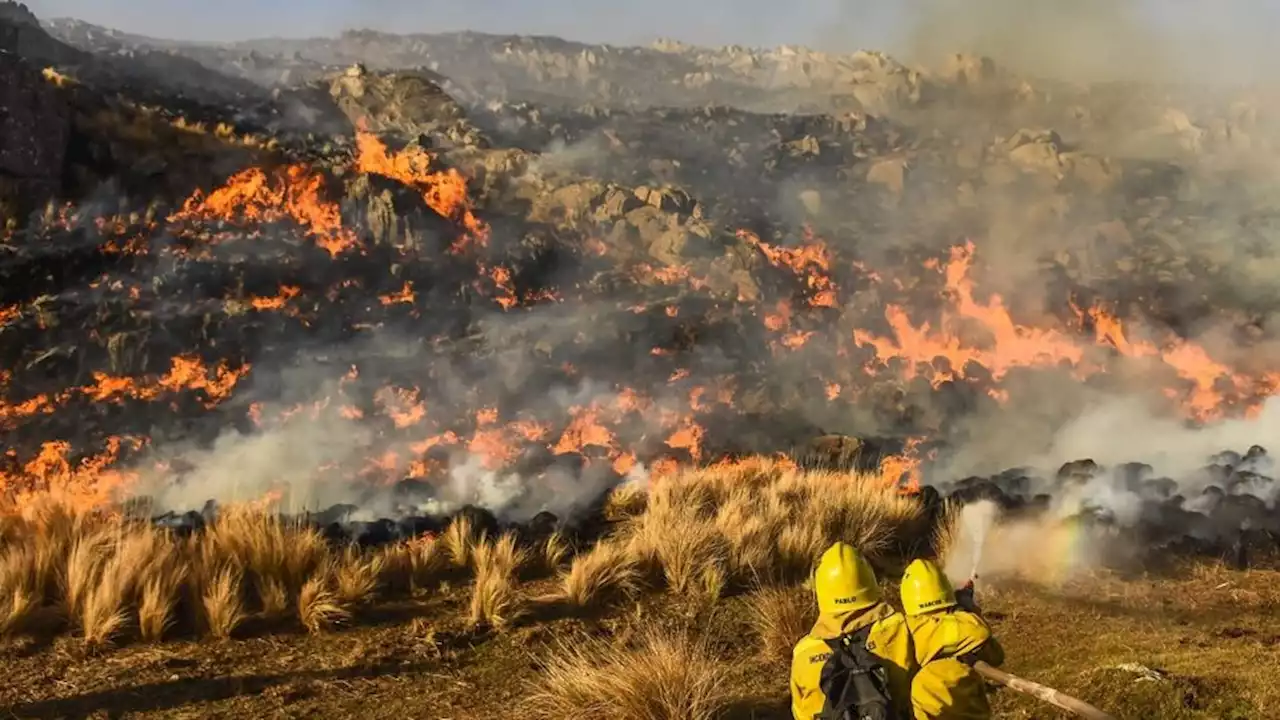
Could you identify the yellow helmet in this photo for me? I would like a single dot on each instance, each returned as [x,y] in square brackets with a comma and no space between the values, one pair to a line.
[844,580]
[925,588]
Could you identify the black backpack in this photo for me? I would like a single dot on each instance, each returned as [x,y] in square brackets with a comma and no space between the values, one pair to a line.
[854,681]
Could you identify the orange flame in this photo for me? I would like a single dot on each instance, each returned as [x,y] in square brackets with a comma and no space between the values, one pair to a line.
[291,193]
[1012,345]
[811,263]
[86,484]
[444,191]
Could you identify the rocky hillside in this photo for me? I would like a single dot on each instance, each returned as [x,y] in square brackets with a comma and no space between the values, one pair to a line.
[513,271]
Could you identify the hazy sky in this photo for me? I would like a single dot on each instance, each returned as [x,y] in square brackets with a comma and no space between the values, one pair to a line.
[748,22]
[1228,37]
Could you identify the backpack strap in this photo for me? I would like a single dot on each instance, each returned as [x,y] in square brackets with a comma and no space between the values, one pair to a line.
[854,680]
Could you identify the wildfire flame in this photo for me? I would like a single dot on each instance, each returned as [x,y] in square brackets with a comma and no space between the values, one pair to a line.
[622,427]
[444,191]
[253,197]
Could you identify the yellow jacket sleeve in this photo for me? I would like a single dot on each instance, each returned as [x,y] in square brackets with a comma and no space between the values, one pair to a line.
[945,687]
[807,659]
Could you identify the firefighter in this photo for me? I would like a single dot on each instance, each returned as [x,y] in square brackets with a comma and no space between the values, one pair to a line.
[849,601]
[948,638]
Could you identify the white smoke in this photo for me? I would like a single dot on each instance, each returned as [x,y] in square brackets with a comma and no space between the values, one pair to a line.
[247,467]
[1045,549]
[1126,430]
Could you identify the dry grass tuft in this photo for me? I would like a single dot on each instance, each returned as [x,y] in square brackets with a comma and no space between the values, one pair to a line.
[758,522]
[664,678]
[222,603]
[683,547]
[141,556]
[604,572]
[268,549]
[460,541]
[19,596]
[102,614]
[554,551]
[799,545]
[83,569]
[273,598]
[356,576]
[158,599]
[625,501]
[411,565]
[17,607]
[780,617]
[494,598]
[319,606]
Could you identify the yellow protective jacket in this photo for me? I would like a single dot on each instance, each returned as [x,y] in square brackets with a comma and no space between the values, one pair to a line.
[945,688]
[889,640]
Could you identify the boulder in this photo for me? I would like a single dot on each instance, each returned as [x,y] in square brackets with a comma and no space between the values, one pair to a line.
[882,85]
[1095,173]
[965,69]
[616,203]
[889,173]
[667,199]
[565,204]
[410,103]
[1037,150]
[393,214]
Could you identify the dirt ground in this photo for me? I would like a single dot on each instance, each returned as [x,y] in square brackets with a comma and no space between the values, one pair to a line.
[1198,642]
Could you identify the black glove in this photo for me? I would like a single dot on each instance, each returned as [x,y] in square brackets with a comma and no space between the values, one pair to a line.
[965,598]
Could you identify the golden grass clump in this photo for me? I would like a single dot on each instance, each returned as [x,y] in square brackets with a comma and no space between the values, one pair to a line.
[320,606]
[83,569]
[160,593]
[759,522]
[19,596]
[356,576]
[780,617]
[684,548]
[664,677]
[495,601]
[267,549]
[411,565]
[553,552]
[222,603]
[607,570]
[460,541]
[625,501]
[111,567]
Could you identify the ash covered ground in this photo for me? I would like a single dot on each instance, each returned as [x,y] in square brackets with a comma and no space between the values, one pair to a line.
[405,274]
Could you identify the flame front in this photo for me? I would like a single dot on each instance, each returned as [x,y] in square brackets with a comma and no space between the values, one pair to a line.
[661,409]
[253,197]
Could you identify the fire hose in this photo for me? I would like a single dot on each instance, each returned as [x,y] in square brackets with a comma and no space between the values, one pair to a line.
[1042,692]
[1022,685]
